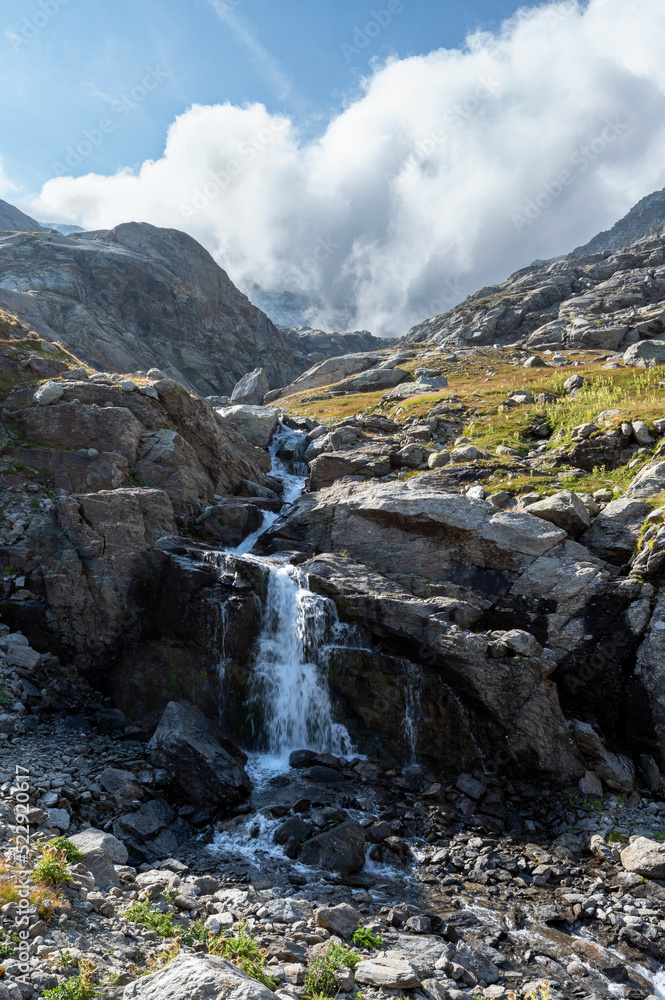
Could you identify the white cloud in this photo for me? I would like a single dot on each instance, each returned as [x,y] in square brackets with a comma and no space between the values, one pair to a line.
[421,190]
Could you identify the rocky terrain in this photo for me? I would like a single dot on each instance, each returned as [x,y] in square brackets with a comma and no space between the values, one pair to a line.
[12,219]
[347,680]
[137,297]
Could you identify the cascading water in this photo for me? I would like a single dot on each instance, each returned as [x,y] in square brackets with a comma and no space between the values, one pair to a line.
[289,686]
[412,690]
[289,681]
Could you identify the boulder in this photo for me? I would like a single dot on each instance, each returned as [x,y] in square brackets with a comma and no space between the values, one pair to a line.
[197,977]
[341,849]
[373,380]
[48,393]
[100,866]
[331,371]
[645,354]
[251,388]
[229,521]
[565,509]
[334,465]
[387,973]
[208,773]
[644,857]
[147,821]
[256,423]
[420,387]
[72,425]
[614,533]
[438,459]
[648,482]
[341,919]
[93,840]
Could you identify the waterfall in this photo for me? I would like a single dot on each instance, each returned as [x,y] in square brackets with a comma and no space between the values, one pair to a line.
[412,690]
[289,680]
[464,719]
[289,685]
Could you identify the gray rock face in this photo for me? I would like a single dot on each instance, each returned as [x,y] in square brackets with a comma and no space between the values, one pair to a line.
[341,849]
[186,742]
[613,534]
[13,220]
[565,510]
[645,857]
[137,297]
[512,690]
[420,530]
[648,691]
[256,423]
[93,840]
[341,919]
[648,482]
[334,465]
[646,218]
[387,973]
[373,380]
[251,388]
[203,977]
[333,370]
[645,354]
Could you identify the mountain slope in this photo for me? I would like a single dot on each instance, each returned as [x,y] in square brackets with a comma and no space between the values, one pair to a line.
[646,219]
[15,221]
[137,297]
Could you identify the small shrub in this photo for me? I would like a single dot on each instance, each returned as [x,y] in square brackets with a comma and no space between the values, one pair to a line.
[243,951]
[320,980]
[197,932]
[65,845]
[363,937]
[51,869]
[144,915]
[81,987]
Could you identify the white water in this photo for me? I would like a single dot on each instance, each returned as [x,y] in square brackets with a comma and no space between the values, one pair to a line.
[289,683]
[412,690]
[288,680]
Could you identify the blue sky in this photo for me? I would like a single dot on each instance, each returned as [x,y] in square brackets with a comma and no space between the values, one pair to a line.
[385,159]
[62,63]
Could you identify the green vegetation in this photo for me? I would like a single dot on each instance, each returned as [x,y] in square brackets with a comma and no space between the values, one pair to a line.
[63,844]
[144,915]
[81,987]
[363,938]
[51,869]
[320,980]
[243,951]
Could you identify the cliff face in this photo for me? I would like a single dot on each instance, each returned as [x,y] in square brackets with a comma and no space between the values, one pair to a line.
[137,297]
[15,221]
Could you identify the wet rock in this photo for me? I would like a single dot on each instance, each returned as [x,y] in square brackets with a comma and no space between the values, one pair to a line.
[477,958]
[341,849]
[208,773]
[341,919]
[565,510]
[293,827]
[386,973]
[471,786]
[644,857]
[201,977]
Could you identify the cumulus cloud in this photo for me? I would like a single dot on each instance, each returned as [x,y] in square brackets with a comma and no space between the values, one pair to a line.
[448,171]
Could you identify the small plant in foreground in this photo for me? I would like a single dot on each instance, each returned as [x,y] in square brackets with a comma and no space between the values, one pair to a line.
[52,867]
[65,844]
[363,938]
[152,920]
[243,951]
[320,980]
[81,987]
